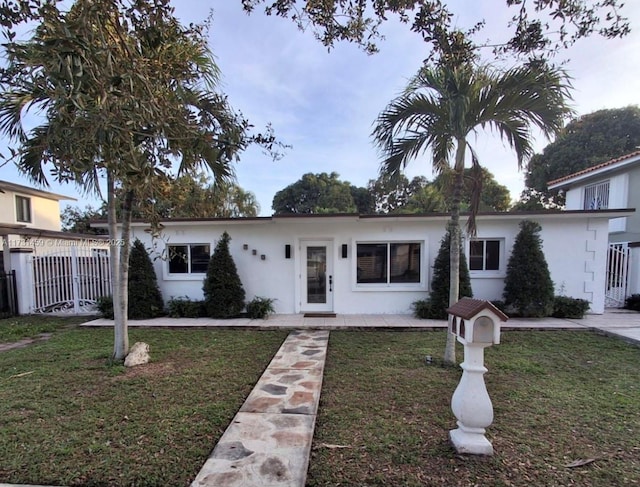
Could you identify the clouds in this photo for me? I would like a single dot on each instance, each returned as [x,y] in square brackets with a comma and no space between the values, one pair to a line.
[324,103]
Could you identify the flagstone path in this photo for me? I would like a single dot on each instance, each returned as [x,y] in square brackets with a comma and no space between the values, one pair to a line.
[269,441]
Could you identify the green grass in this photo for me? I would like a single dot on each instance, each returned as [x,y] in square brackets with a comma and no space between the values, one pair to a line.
[19,327]
[557,396]
[69,418]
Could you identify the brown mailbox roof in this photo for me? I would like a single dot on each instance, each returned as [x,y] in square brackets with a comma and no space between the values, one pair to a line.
[467,308]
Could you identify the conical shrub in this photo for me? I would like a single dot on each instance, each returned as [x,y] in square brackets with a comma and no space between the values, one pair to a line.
[223,291]
[528,288]
[439,297]
[145,299]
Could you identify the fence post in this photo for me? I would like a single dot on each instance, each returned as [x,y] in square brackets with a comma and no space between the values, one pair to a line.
[21,264]
[74,279]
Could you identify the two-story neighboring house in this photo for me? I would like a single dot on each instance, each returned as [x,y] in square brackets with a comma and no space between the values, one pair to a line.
[46,261]
[613,184]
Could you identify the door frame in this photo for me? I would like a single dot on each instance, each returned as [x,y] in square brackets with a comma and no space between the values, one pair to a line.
[301,287]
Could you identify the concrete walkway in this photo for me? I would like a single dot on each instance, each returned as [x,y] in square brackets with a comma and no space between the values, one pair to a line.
[621,323]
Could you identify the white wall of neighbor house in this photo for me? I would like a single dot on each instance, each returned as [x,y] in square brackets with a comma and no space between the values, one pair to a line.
[574,245]
[618,197]
[45,213]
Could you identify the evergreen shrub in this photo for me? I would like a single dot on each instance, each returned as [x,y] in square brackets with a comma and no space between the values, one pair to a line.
[436,306]
[566,307]
[260,308]
[183,307]
[104,305]
[422,309]
[633,302]
[223,291]
[439,296]
[528,289]
[145,299]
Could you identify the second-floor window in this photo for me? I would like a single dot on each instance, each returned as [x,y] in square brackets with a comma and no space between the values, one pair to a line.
[23,209]
[596,196]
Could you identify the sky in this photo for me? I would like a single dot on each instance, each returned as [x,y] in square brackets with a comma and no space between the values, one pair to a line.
[324,103]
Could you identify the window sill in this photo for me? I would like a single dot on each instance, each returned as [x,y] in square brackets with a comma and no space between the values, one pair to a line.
[487,275]
[388,287]
[184,277]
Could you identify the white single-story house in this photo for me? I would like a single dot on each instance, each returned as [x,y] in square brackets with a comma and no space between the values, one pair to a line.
[352,264]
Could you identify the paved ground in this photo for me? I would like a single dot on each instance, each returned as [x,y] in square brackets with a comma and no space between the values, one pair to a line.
[269,440]
[625,324]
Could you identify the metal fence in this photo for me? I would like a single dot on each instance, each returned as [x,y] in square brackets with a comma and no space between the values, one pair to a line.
[70,281]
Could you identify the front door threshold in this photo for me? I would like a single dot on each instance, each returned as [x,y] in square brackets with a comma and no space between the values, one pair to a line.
[319,315]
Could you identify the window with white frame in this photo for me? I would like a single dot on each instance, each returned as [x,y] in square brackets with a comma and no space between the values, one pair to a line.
[188,258]
[23,209]
[485,254]
[389,263]
[596,196]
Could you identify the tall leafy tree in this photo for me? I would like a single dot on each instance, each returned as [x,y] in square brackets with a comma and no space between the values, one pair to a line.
[119,90]
[315,193]
[195,197]
[78,220]
[363,199]
[443,105]
[536,28]
[492,197]
[392,193]
[584,142]
[425,200]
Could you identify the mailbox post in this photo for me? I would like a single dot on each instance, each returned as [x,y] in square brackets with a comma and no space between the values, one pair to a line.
[476,324]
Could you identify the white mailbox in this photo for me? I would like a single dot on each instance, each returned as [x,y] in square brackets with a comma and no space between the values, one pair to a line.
[476,321]
[476,324]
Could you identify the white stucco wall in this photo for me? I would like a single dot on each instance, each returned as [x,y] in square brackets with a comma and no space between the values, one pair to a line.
[575,247]
[45,213]
[618,197]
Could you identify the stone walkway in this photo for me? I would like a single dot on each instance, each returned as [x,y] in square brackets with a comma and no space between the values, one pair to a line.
[269,441]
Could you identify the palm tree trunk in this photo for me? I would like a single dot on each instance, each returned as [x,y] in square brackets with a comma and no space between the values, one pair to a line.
[454,248]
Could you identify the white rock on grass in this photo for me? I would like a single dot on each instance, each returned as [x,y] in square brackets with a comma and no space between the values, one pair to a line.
[138,355]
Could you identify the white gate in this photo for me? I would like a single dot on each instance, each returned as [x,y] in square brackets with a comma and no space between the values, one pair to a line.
[70,281]
[617,275]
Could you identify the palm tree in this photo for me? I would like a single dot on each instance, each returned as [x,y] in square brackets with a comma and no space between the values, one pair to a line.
[120,91]
[442,105]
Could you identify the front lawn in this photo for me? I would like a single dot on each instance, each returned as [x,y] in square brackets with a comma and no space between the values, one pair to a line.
[69,418]
[559,397]
[30,326]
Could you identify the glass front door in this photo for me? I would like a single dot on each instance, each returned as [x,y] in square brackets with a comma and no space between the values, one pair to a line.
[317,276]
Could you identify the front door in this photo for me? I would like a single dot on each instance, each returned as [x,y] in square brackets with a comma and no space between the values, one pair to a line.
[317,276]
